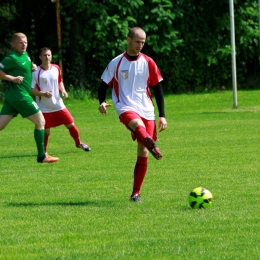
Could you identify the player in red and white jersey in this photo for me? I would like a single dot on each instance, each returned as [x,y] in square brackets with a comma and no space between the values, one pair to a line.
[47,85]
[131,75]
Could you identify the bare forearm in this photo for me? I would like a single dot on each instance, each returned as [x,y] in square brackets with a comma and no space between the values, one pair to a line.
[36,92]
[17,79]
[4,76]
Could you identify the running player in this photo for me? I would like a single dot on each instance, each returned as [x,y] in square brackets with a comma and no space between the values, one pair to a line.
[132,74]
[16,68]
[47,85]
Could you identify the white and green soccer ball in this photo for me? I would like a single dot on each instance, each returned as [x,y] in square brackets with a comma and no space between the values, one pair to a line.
[200,198]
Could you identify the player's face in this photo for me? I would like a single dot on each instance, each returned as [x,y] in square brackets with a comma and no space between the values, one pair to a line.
[46,57]
[136,44]
[20,44]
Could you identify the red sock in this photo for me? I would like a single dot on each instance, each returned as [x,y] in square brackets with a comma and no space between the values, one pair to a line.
[139,173]
[74,132]
[46,141]
[141,134]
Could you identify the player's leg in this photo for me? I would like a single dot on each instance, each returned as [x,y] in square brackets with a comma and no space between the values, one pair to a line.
[142,158]
[39,134]
[4,121]
[8,112]
[50,121]
[47,133]
[74,133]
[139,171]
[138,127]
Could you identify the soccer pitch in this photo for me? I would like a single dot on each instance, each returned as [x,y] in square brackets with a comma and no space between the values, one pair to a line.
[78,208]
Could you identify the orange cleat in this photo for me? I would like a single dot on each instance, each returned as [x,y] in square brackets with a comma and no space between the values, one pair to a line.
[47,159]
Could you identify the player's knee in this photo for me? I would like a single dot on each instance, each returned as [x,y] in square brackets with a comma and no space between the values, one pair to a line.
[40,123]
[142,150]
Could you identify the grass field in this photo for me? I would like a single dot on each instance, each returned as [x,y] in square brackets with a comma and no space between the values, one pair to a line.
[78,208]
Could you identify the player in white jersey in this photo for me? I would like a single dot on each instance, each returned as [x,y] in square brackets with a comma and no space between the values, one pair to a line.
[46,87]
[132,74]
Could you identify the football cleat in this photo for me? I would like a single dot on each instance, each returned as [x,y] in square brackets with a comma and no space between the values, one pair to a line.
[153,149]
[47,159]
[83,147]
[135,198]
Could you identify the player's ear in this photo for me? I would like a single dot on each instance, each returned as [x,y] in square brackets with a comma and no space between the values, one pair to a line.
[128,39]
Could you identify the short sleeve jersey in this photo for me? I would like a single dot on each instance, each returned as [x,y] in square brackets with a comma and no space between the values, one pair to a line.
[131,84]
[48,80]
[16,64]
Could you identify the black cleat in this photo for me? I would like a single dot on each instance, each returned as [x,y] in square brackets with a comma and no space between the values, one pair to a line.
[135,198]
[84,147]
[153,149]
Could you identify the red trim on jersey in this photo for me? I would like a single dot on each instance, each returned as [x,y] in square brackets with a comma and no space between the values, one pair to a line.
[115,82]
[60,76]
[58,68]
[38,84]
[42,68]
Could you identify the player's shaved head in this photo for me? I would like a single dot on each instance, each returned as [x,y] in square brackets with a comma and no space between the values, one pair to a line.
[136,31]
[18,35]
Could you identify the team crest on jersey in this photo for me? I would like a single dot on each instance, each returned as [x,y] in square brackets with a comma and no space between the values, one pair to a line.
[45,81]
[125,74]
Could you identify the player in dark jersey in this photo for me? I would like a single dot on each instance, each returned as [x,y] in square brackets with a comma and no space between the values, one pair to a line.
[132,74]
[16,69]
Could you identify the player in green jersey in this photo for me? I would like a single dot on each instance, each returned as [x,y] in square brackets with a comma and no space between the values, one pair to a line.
[16,69]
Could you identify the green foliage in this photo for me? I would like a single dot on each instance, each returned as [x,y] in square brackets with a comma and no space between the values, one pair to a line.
[79,93]
[189,39]
[102,37]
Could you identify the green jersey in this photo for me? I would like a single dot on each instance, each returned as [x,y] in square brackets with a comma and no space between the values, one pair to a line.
[16,64]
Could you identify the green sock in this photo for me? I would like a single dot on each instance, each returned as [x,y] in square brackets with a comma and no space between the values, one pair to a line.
[39,138]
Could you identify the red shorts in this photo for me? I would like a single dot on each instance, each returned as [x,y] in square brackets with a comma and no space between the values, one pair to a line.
[61,117]
[150,125]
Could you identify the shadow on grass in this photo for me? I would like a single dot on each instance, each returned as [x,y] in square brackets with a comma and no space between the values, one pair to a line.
[17,156]
[65,204]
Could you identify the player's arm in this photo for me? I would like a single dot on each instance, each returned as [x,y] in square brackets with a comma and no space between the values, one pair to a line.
[102,92]
[158,94]
[34,67]
[36,92]
[6,64]
[7,77]
[63,90]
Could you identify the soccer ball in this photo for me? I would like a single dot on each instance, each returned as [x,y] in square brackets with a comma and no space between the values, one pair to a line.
[200,198]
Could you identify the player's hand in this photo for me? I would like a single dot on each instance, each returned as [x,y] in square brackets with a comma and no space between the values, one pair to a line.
[18,79]
[64,94]
[103,108]
[34,67]
[47,94]
[162,124]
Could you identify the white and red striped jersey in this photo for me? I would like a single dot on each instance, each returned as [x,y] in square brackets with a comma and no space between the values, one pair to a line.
[48,80]
[131,84]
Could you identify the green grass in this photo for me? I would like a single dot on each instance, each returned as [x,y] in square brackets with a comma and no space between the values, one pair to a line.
[78,208]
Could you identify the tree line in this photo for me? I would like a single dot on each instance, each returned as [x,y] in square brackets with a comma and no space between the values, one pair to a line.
[188,39]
